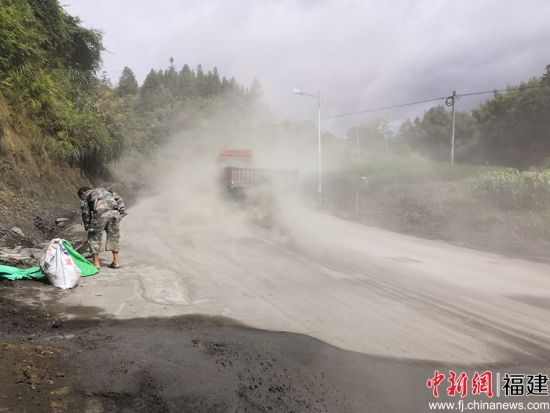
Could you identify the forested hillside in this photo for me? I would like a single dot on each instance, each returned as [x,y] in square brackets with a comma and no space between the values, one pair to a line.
[62,122]
[511,129]
[48,66]
[49,71]
[496,196]
[171,100]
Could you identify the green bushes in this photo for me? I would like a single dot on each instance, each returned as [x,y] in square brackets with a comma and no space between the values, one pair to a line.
[510,130]
[512,189]
[19,36]
[413,169]
[48,66]
[507,188]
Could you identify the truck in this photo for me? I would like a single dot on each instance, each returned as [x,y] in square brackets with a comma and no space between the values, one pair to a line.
[239,174]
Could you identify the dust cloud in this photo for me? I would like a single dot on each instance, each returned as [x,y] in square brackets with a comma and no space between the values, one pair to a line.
[185,206]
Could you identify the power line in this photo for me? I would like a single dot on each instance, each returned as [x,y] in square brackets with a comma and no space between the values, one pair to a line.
[341,115]
[397,106]
[497,91]
[400,105]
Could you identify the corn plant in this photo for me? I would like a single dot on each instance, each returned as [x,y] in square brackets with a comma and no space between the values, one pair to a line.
[513,189]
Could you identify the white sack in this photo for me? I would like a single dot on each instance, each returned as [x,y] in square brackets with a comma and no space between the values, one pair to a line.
[58,266]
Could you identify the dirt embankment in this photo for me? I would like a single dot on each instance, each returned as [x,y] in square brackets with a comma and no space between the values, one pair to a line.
[447,211]
[34,190]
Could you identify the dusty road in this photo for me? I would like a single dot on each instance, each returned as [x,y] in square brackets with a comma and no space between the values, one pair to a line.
[355,287]
[409,305]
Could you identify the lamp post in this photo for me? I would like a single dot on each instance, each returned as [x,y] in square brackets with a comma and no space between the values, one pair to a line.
[319,161]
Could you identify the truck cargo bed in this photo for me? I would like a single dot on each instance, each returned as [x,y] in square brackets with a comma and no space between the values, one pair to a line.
[245,177]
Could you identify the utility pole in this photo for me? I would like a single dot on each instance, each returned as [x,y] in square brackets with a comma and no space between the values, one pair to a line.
[320,187]
[453,130]
[357,145]
[319,154]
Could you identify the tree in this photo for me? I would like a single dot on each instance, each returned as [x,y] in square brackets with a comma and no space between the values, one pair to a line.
[546,77]
[512,129]
[255,90]
[171,77]
[66,42]
[431,135]
[48,67]
[150,90]
[200,82]
[515,126]
[186,83]
[127,84]
[374,136]
[213,82]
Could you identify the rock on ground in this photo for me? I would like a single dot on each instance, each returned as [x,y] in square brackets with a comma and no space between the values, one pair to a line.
[17,231]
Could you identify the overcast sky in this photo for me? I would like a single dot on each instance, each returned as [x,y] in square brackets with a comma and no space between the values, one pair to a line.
[360,54]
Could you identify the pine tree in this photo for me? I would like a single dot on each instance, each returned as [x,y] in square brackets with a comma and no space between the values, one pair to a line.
[186,83]
[127,84]
[200,82]
[150,89]
[171,77]
[256,90]
[215,84]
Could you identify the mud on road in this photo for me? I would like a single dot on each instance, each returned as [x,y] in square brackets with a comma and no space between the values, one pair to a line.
[188,363]
[192,364]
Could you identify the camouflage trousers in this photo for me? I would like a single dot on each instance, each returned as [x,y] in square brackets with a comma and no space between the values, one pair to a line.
[109,222]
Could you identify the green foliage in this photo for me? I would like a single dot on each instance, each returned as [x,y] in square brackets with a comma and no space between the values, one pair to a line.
[374,136]
[413,169]
[127,84]
[512,129]
[507,188]
[512,189]
[170,101]
[431,135]
[515,126]
[48,70]
[153,93]
[170,88]
[66,43]
[89,137]
[48,65]
[19,36]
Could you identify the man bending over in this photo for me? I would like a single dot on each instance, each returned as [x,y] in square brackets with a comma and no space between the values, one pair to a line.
[101,211]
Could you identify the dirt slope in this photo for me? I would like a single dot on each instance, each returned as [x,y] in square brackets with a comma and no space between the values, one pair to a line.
[34,190]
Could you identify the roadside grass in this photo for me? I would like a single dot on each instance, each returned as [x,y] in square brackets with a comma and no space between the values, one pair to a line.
[506,188]
[492,208]
[413,170]
[513,189]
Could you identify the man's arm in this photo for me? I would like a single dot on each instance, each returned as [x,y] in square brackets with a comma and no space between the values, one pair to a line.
[120,202]
[86,214]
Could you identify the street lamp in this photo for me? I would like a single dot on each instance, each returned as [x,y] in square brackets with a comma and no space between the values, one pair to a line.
[319,163]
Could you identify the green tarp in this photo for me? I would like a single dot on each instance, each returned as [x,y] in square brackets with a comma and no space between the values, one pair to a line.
[12,273]
[86,267]
[34,273]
